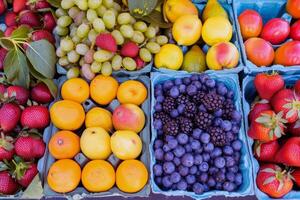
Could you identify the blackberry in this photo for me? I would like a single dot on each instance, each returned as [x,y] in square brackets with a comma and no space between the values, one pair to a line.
[162,116]
[190,109]
[182,99]
[197,98]
[217,136]
[213,101]
[171,127]
[169,104]
[228,108]
[185,124]
[203,120]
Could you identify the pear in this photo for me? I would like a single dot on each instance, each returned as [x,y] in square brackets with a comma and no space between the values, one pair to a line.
[212,9]
[194,60]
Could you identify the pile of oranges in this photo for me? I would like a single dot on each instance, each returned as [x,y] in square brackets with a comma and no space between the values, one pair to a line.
[96,141]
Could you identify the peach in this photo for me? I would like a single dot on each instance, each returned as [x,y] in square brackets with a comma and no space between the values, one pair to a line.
[222,55]
[132,92]
[128,117]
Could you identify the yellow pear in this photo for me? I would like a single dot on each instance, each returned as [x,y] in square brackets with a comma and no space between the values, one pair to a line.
[173,9]
[194,60]
[212,9]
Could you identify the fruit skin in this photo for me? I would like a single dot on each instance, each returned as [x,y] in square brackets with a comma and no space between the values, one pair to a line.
[266,151]
[95,143]
[10,114]
[259,51]
[29,147]
[251,23]
[41,93]
[7,184]
[3,53]
[268,84]
[10,19]
[288,54]
[99,117]
[139,63]
[3,6]
[295,30]
[293,8]
[294,128]
[272,187]
[19,92]
[289,153]
[29,18]
[42,34]
[64,144]
[130,49]
[96,170]
[170,57]
[75,89]
[194,60]
[257,108]
[132,91]
[276,31]
[187,30]
[19,5]
[174,9]
[9,30]
[25,173]
[49,21]
[212,9]
[64,175]
[128,117]
[296,175]
[35,117]
[107,42]
[7,150]
[222,55]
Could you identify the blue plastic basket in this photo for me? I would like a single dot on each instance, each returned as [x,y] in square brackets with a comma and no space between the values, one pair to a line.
[268,9]
[249,94]
[231,82]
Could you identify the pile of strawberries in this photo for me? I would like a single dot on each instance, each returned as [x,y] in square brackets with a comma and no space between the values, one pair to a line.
[23,116]
[275,127]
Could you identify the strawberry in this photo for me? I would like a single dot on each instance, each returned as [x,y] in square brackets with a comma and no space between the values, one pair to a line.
[42,34]
[25,172]
[20,93]
[19,5]
[3,6]
[11,19]
[267,126]
[287,102]
[7,184]
[9,116]
[29,147]
[257,108]
[39,148]
[2,89]
[49,21]
[297,87]
[289,153]
[294,128]
[41,93]
[107,42]
[35,117]
[9,30]
[3,53]
[6,148]
[273,181]
[268,84]
[130,49]
[139,62]
[38,4]
[265,151]
[29,18]
[296,176]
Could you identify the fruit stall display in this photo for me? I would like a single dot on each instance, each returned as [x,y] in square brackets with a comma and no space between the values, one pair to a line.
[269,33]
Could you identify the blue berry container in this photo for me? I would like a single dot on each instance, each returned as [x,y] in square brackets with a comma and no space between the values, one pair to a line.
[249,94]
[268,9]
[231,82]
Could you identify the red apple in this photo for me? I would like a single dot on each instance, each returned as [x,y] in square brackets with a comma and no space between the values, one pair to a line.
[288,54]
[295,30]
[276,31]
[250,23]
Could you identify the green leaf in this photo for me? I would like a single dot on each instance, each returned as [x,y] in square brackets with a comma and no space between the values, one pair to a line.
[42,56]
[268,170]
[16,68]
[6,43]
[140,8]
[269,180]
[34,190]
[54,3]
[262,120]
[277,132]
[290,113]
[20,32]
[1,34]
[157,18]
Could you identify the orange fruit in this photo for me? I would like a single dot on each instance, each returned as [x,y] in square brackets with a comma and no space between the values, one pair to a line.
[103,89]
[131,176]
[64,144]
[64,176]
[75,89]
[67,115]
[132,92]
[98,176]
[99,117]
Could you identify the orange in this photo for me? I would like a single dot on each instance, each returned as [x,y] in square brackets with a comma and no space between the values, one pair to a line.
[64,176]
[132,92]
[67,115]
[99,117]
[131,176]
[75,89]
[98,176]
[64,144]
[103,89]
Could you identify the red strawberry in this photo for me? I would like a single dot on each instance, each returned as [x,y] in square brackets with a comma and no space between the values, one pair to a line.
[11,19]
[139,62]
[2,89]
[266,151]
[29,147]
[49,21]
[297,85]
[3,53]
[289,153]
[9,30]
[25,172]
[7,184]
[35,117]
[294,128]
[19,5]
[38,4]
[267,127]
[6,148]
[3,6]
[39,148]
[9,116]
[287,102]
[20,93]
[296,176]
[268,84]
[42,34]
[130,49]
[41,93]
[29,18]
[258,108]
[273,181]
[107,42]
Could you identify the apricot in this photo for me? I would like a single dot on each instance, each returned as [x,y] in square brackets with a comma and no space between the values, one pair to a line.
[132,92]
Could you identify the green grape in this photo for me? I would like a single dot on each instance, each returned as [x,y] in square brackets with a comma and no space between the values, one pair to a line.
[117,7]
[82,4]
[73,31]
[67,4]
[79,18]
[60,53]
[132,20]
[127,31]
[91,15]
[76,39]
[96,67]
[124,18]
[140,26]
[83,30]
[87,42]
[86,72]
[61,31]
[116,62]
[66,44]
[138,37]
[81,61]
[109,19]
[150,32]
[82,49]
[94,4]
[101,10]
[162,39]
[73,12]
[145,55]
[63,61]
[118,37]
[73,56]
[156,27]
[153,47]
[92,35]
[73,72]
[98,25]
[106,69]
[89,56]
[60,12]
[129,64]
[108,3]
[102,55]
